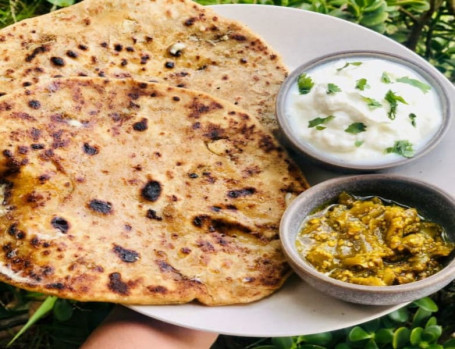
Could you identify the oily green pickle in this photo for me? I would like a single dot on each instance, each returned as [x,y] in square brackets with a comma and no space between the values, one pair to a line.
[368,242]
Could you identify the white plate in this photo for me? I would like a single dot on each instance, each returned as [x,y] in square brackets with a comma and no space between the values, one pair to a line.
[297,309]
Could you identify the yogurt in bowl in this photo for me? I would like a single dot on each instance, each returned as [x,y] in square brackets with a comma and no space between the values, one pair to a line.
[363,110]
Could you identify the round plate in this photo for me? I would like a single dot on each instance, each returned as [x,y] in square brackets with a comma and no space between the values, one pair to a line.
[298,309]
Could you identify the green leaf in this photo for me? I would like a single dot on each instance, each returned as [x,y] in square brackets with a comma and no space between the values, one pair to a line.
[342,346]
[283,342]
[432,333]
[372,103]
[403,148]
[310,346]
[420,316]
[319,121]
[305,83]
[413,117]
[376,18]
[431,321]
[416,335]
[358,334]
[362,84]
[400,315]
[332,89]
[393,100]
[318,338]
[63,310]
[416,83]
[44,308]
[385,78]
[356,127]
[356,64]
[62,3]
[450,344]
[400,337]
[371,344]
[384,336]
[427,304]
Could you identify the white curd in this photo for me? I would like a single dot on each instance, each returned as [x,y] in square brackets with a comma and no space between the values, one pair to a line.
[349,114]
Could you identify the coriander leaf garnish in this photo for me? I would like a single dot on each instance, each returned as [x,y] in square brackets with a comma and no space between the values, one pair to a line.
[305,83]
[361,84]
[413,117]
[320,121]
[358,143]
[332,89]
[372,103]
[416,83]
[403,148]
[320,128]
[356,127]
[393,100]
[348,64]
[385,78]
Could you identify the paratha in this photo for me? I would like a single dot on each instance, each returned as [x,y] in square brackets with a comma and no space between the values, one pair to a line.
[174,41]
[134,192]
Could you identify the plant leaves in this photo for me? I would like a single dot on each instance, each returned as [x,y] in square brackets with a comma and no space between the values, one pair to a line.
[400,315]
[416,335]
[44,308]
[420,316]
[358,334]
[283,342]
[432,333]
[63,310]
[317,338]
[62,3]
[384,336]
[400,337]
[427,304]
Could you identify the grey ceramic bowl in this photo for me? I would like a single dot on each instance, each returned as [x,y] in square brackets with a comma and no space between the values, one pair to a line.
[302,147]
[431,203]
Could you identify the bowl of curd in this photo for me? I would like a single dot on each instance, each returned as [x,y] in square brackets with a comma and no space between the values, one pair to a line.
[363,110]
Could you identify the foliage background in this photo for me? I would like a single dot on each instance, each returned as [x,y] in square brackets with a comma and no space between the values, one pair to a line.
[424,26]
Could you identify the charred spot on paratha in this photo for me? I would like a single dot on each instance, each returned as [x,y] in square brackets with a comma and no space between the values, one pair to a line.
[234,194]
[100,206]
[151,214]
[89,149]
[126,255]
[151,191]
[57,61]
[60,224]
[140,125]
[117,285]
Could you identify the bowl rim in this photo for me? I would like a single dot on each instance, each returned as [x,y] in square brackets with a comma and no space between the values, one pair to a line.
[296,260]
[421,68]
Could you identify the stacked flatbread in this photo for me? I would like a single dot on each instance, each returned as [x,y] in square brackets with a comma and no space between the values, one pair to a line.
[139,192]
[172,41]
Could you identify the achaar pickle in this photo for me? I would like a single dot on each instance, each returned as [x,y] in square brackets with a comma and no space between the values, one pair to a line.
[370,241]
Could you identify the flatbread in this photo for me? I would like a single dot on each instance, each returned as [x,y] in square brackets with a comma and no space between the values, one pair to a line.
[139,193]
[174,41]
